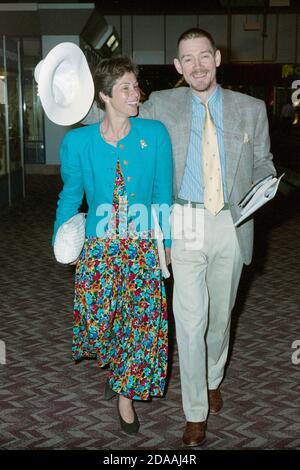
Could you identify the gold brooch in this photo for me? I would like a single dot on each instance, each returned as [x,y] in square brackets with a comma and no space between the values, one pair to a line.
[143,144]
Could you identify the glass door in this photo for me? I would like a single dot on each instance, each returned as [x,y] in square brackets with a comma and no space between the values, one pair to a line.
[4,178]
[34,149]
[15,118]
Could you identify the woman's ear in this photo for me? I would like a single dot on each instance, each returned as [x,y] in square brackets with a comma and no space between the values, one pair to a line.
[104,98]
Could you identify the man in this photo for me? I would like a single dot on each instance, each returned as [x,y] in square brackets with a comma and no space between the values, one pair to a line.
[208,254]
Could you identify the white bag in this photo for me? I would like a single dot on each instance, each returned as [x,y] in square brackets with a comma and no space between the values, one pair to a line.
[69,239]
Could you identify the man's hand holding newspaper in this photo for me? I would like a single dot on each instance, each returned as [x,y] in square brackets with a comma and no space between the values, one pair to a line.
[263,191]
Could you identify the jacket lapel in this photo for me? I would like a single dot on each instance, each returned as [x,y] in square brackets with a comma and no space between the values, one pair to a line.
[182,135]
[233,136]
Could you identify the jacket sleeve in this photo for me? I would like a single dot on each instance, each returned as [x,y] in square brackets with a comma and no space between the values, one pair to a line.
[263,164]
[163,181]
[70,198]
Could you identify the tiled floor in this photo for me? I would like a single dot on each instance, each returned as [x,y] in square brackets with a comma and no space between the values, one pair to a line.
[47,402]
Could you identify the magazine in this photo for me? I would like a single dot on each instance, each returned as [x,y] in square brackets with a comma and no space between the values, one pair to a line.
[263,191]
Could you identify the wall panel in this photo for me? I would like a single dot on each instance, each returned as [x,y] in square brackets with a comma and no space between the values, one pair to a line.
[148,39]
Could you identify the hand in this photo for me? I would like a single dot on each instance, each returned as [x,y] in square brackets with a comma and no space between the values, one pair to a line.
[168,255]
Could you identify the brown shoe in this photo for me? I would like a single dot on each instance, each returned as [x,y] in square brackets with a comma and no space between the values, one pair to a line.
[215,401]
[194,434]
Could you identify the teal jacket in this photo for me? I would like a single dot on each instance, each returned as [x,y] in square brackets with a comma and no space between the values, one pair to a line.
[88,165]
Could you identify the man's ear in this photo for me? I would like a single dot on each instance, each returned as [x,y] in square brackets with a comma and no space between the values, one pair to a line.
[178,66]
[218,57]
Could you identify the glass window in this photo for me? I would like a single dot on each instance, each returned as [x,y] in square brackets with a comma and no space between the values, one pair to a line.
[4,179]
[13,100]
[3,166]
[32,109]
[14,106]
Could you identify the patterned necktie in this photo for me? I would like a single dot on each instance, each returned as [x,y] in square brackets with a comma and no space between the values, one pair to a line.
[212,176]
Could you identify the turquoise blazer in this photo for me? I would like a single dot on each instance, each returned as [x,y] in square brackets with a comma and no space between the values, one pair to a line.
[88,165]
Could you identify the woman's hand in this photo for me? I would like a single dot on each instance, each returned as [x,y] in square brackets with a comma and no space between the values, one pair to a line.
[168,256]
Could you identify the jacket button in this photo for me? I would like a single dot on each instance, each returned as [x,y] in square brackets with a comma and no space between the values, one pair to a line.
[132,194]
[129,178]
[121,146]
[125,162]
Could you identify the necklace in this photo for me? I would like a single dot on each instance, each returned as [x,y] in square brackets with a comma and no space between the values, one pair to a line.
[114,139]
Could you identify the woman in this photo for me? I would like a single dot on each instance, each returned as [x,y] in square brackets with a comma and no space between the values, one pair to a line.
[124,166]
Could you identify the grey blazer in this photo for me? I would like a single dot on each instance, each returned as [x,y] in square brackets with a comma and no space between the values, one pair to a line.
[246,141]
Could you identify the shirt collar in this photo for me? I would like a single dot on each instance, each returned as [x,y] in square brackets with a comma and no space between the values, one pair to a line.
[212,100]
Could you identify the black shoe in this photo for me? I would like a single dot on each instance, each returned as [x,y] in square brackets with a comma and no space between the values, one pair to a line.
[129,428]
[109,393]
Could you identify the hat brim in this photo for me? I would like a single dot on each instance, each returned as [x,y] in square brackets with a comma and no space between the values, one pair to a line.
[84,96]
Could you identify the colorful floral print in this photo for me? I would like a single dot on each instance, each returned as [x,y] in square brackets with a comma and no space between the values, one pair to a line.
[120,310]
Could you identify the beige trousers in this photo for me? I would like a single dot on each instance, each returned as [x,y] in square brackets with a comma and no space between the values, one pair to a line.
[207,266]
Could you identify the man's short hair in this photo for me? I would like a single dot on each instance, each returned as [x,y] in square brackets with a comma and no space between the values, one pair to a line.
[193,33]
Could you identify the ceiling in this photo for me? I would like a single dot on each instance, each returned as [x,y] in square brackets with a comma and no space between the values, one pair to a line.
[35,20]
[184,6]
[152,7]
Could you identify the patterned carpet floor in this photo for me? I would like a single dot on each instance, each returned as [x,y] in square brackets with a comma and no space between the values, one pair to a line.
[48,402]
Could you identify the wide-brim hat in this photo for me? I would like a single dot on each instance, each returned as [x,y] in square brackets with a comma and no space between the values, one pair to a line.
[65,84]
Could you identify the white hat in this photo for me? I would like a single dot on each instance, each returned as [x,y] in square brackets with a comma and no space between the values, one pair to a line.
[69,239]
[65,84]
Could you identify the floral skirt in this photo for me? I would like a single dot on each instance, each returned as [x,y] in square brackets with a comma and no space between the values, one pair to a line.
[120,314]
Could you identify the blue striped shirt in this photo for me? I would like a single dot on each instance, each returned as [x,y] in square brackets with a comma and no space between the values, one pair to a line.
[192,182]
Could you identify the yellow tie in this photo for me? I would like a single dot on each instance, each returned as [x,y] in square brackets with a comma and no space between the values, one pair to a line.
[212,176]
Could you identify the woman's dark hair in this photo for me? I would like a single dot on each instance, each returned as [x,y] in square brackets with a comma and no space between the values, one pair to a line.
[108,72]
[193,33]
